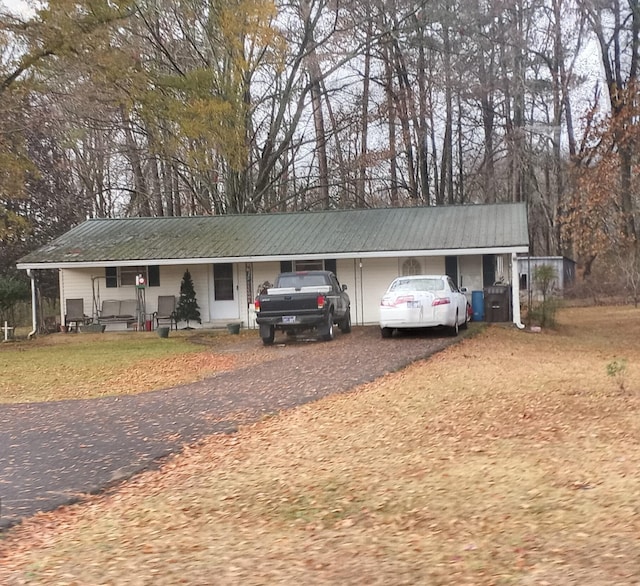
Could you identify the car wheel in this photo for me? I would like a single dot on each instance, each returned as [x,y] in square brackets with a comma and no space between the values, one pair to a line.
[327,335]
[465,324]
[455,328]
[268,340]
[345,326]
[386,332]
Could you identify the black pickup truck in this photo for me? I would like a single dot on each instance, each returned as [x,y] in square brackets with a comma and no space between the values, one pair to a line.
[307,300]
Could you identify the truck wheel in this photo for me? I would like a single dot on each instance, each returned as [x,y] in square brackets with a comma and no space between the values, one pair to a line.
[268,339]
[327,334]
[345,325]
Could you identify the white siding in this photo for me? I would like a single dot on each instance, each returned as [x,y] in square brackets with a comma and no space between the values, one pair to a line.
[433,265]
[347,273]
[366,280]
[374,276]
[263,272]
[76,284]
[90,285]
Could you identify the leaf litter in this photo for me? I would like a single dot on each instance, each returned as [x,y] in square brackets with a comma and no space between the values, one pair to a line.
[510,458]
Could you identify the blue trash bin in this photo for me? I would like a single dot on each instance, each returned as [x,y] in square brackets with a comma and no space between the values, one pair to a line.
[477,304]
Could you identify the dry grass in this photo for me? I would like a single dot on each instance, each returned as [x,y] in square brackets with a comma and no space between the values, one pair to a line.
[512,458]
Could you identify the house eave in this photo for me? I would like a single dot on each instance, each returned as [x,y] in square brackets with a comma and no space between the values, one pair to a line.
[274,258]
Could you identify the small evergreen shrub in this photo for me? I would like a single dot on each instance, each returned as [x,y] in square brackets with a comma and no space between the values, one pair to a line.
[187,308]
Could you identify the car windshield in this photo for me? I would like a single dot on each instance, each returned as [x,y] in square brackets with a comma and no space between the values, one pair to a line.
[301,280]
[417,285]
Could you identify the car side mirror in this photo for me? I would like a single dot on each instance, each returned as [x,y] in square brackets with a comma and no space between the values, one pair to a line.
[463,289]
[344,287]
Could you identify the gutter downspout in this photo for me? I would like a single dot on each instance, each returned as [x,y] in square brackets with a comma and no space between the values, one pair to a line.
[34,317]
[515,292]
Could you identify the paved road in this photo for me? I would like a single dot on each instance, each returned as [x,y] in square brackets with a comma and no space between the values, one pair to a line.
[53,453]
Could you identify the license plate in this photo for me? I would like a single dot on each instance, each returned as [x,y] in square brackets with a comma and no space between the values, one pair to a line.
[414,304]
[288,319]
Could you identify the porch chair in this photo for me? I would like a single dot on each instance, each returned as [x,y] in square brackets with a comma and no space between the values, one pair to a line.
[75,314]
[166,311]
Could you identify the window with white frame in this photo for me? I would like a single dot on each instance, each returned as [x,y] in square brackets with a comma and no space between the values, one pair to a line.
[411,266]
[126,276]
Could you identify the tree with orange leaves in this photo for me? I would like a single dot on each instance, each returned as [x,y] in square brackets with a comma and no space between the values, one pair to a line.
[602,215]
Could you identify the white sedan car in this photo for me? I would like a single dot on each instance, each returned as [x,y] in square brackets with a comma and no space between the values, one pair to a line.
[423,301]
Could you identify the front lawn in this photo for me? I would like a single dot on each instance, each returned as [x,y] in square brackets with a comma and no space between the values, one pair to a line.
[510,458]
[80,366]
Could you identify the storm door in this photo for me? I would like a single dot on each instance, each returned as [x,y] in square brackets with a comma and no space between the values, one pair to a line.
[224,292]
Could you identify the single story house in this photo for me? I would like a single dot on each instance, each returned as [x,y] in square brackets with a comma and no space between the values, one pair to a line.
[231,257]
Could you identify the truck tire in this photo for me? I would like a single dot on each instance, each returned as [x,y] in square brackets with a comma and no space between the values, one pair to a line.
[268,339]
[345,324]
[327,330]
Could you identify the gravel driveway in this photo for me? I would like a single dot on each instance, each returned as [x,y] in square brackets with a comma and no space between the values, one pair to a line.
[53,453]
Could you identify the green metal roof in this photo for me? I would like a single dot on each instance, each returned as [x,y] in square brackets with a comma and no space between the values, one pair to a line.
[369,232]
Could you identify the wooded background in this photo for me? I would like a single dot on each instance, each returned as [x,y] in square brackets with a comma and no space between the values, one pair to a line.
[182,107]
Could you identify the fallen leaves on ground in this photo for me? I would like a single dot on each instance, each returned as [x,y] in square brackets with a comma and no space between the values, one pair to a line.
[169,371]
[95,365]
[511,458]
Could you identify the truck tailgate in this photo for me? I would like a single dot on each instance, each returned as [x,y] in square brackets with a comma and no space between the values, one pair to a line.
[289,304]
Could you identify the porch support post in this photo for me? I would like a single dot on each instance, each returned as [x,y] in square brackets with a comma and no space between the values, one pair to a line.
[34,316]
[515,291]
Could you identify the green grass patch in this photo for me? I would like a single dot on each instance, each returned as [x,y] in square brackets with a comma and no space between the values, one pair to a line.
[86,365]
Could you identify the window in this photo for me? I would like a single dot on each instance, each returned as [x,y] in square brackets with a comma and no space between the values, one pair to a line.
[411,266]
[300,280]
[309,265]
[328,264]
[126,276]
[417,285]
[153,274]
[499,269]
[111,274]
[523,282]
[223,282]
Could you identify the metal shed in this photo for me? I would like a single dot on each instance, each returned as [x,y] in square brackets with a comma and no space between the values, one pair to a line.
[565,270]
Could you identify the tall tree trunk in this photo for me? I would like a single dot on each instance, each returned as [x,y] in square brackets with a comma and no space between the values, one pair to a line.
[404,105]
[423,132]
[364,113]
[139,202]
[315,79]
[391,122]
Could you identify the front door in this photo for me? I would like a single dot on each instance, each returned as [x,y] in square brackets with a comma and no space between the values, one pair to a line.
[224,293]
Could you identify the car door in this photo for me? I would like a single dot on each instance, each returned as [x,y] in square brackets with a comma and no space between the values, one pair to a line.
[341,297]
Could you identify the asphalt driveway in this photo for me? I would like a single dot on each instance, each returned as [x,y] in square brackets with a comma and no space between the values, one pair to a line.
[53,453]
